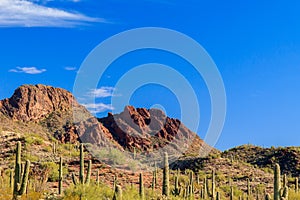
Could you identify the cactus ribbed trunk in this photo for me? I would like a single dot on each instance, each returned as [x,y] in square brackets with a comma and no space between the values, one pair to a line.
[213,185]
[248,189]
[20,183]
[141,187]
[285,193]
[296,185]
[166,185]
[81,172]
[285,181]
[98,179]
[231,193]
[60,178]
[17,175]
[11,179]
[277,182]
[153,180]
[88,173]
[267,197]
[118,193]
[205,188]
[218,197]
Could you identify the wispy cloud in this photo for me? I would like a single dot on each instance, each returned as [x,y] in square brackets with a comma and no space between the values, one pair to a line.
[28,70]
[98,107]
[70,68]
[25,13]
[102,92]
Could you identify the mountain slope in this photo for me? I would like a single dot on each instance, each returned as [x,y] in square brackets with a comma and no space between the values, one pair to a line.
[57,111]
[287,157]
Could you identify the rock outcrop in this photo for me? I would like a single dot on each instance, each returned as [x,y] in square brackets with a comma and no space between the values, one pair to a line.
[36,102]
[148,130]
[46,105]
[145,130]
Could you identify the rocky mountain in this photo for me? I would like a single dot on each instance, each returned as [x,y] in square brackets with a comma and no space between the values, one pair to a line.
[148,130]
[43,116]
[135,129]
[54,113]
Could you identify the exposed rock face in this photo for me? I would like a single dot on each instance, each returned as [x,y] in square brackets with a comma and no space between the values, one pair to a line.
[51,107]
[149,130]
[35,102]
[143,129]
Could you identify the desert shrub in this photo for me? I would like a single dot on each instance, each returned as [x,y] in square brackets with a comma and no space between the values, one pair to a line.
[32,139]
[32,158]
[91,192]
[113,156]
[53,170]
[293,195]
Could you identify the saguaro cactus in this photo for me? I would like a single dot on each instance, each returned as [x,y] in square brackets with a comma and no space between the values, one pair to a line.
[205,188]
[20,182]
[118,193]
[296,185]
[285,181]
[213,184]
[248,189]
[166,185]
[176,191]
[267,197]
[153,180]
[81,172]
[141,188]
[277,182]
[280,193]
[218,197]
[231,196]
[60,178]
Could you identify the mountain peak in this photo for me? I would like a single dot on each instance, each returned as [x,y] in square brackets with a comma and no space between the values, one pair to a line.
[35,102]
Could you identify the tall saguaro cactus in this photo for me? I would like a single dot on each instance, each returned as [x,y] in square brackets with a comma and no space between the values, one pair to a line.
[166,184]
[81,171]
[231,196]
[20,182]
[267,196]
[279,193]
[118,193]
[213,184]
[296,185]
[141,188]
[248,189]
[176,191]
[60,178]
[277,182]
[205,188]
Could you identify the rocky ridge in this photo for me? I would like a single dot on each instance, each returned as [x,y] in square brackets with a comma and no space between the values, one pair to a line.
[144,130]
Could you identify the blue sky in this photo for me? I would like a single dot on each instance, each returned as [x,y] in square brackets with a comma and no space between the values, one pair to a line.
[256,46]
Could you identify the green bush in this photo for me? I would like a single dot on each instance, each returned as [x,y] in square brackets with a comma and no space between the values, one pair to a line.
[91,192]
[53,170]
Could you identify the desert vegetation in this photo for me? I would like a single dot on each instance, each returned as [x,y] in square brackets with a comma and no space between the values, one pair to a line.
[25,181]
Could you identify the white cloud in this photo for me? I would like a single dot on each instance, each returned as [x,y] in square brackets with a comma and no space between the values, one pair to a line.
[98,107]
[24,13]
[102,92]
[28,70]
[70,68]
